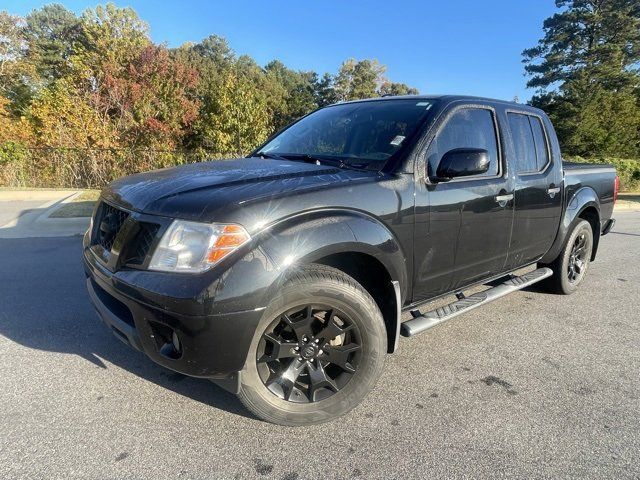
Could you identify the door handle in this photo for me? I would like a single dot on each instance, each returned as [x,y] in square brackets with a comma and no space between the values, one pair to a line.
[503,199]
[552,191]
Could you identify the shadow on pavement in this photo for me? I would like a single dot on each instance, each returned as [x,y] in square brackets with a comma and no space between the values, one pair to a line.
[44,305]
[625,233]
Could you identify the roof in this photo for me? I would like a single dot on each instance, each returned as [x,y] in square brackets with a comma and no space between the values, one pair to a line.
[446,98]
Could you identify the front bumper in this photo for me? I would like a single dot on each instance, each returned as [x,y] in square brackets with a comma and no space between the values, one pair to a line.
[212,346]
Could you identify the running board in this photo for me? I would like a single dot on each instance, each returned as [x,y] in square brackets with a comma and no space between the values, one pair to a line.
[424,321]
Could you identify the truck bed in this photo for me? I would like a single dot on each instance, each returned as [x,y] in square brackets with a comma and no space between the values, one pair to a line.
[600,178]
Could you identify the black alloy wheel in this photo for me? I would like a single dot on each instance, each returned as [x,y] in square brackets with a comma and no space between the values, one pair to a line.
[571,265]
[578,258]
[318,350]
[309,353]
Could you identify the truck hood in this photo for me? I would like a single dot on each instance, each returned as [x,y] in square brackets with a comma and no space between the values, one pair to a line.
[199,191]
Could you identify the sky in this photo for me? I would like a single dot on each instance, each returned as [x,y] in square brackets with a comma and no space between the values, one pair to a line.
[469,47]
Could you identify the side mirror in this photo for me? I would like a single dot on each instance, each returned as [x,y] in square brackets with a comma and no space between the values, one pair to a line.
[462,162]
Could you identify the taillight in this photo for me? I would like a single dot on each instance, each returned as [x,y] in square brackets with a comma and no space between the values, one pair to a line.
[616,188]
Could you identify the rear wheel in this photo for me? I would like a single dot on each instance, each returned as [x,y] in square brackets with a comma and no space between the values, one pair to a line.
[571,266]
[318,351]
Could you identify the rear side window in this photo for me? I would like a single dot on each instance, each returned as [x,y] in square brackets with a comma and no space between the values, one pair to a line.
[466,128]
[529,142]
[542,149]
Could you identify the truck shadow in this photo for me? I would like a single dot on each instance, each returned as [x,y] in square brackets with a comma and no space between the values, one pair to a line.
[44,306]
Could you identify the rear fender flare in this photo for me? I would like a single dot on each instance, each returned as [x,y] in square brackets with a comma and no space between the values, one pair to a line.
[581,199]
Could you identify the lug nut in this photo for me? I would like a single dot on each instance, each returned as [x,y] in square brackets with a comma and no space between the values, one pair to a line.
[297,348]
[317,340]
[300,358]
[320,352]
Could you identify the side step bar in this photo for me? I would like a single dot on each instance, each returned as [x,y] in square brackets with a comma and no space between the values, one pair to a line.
[424,321]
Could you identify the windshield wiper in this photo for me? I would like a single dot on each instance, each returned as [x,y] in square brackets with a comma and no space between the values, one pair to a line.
[305,157]
[269,155]
[319,160]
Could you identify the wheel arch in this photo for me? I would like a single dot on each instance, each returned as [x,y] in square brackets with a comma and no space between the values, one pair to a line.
[357,244]
[375,279]
[592,215]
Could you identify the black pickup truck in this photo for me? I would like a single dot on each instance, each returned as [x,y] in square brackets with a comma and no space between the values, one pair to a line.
[283,276]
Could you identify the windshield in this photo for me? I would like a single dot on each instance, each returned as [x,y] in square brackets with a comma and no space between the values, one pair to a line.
[363,134]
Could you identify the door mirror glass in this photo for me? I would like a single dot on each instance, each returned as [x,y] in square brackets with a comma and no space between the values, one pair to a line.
[463,162]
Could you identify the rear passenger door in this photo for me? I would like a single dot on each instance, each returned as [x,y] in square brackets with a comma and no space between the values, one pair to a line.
[538,182]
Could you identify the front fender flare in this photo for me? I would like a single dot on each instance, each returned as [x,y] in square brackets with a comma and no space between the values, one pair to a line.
[253,280]
[297,241]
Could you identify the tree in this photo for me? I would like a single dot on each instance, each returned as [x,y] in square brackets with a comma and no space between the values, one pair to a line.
[296,90]
[12,129]
[217,50]
[113,37]
[15,73]
[158,97]
[85,90]
[600,38]
[62,118]
[393,88]
[52,34]
[593,121]
[238,119]
[359,79]
[12,44]
[325,93]
[586,71]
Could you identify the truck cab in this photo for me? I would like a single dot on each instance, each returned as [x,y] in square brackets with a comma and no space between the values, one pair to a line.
[503,217]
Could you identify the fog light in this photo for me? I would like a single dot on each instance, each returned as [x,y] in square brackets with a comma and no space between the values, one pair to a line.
[171,348]
[176,342]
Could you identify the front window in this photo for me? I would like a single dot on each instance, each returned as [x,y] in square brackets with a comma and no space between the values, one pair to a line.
[467,127]
[362,134]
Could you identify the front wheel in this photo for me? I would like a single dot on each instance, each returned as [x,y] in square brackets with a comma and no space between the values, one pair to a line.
[318,351]
[570,268]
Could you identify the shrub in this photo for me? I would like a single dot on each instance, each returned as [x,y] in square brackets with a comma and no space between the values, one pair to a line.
[14,158]
[21,166]
[628,170]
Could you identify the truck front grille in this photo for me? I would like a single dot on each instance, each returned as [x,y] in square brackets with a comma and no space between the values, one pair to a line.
[135,241]
[107,225]
[141,244]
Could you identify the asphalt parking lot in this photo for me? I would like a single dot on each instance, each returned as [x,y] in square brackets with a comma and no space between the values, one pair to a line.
[534,385]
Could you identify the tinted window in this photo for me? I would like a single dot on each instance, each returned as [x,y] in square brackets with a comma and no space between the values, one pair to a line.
[364,133]
[523,143]
[542,152]
[466,128]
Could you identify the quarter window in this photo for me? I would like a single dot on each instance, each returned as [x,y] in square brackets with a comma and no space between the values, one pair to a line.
[542,149]
[466,128]
[529,143]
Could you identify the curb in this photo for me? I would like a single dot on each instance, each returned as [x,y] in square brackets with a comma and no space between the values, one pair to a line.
[627,207]
[55,207]
[30,224]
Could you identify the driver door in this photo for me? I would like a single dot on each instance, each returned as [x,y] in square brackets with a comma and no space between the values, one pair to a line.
[470,217]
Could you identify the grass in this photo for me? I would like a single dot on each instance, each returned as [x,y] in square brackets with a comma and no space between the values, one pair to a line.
[630,199]
[81,206]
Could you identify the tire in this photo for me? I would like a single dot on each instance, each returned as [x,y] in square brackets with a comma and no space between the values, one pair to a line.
[325,377]
[567,273]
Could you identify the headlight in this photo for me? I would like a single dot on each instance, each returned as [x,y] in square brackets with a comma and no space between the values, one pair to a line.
[196,247]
